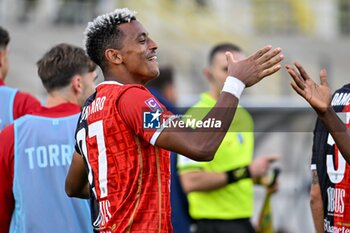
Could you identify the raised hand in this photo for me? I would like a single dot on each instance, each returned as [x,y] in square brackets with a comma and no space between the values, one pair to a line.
[261,64]
[318,96]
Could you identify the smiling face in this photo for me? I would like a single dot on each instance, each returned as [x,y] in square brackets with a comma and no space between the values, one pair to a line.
[138,52]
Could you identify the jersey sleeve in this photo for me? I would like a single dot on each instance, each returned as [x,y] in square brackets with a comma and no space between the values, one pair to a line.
[143,113]
[77,149]
[24,103]
[318,146]
[7,202]
[77,137]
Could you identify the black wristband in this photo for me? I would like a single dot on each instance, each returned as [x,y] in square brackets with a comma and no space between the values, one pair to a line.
[237,174]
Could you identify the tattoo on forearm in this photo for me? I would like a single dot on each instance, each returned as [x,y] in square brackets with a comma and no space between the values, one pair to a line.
[314,177]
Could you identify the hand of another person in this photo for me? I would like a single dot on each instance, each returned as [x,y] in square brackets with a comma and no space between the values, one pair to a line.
[259,166]
[251,70]
[318,96]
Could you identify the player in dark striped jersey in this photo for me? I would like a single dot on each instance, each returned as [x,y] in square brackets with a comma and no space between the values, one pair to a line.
[124,142]
[330,167]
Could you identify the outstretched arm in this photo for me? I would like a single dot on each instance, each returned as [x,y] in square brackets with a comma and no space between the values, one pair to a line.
[201,144]
[201,180]
[319,97]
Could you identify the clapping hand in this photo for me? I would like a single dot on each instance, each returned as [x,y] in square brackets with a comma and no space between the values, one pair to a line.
[318,95]
[261,64]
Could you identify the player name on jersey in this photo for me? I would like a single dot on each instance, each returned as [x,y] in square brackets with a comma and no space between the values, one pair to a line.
[341,99]
[96,106]
[49,156]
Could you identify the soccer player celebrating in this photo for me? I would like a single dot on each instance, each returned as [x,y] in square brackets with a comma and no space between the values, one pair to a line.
[330,153]
[128,163]
[319,97]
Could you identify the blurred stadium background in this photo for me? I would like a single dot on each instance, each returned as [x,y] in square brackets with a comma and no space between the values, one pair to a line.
[314,32]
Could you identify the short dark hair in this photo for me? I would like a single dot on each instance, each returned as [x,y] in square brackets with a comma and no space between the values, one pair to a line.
[58,66]
[4,37]
[104,33]
[223,47]
[166,76]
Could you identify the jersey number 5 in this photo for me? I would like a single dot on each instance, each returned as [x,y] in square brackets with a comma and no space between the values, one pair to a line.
[335,175]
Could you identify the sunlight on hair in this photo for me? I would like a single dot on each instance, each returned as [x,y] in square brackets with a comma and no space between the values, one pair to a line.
[116,17]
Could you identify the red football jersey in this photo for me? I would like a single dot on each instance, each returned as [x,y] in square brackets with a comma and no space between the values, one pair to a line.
[129,177]
[332,169]
[340,202]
